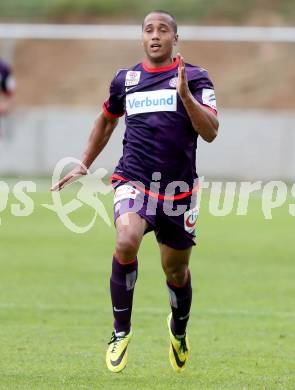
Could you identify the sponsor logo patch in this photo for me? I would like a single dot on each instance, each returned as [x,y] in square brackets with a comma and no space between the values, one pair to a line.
[151,101]
[208,98]
[190,219]
[10,83]
[125,192]
[132,78]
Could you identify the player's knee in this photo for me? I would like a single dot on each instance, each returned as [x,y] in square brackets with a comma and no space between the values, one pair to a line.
[176,273]
[127,244]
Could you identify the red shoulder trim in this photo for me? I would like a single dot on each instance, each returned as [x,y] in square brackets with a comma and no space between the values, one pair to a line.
[109,114]
[210,109]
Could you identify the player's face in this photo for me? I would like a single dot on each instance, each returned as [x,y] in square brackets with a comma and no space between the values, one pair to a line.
[158,37]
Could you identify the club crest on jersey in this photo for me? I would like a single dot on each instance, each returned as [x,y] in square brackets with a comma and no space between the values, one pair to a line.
[173,82]
[190,219]
[132,78]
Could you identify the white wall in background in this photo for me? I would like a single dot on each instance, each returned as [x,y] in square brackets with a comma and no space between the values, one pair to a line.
[254,145]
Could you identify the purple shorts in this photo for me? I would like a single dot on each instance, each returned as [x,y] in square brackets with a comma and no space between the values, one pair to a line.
[173,221]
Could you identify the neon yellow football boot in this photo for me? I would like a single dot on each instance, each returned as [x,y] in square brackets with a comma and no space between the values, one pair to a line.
[179,349]
[116,356]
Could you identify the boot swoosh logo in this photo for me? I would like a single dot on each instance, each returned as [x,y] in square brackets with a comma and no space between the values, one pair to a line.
[116,362]
[178,361]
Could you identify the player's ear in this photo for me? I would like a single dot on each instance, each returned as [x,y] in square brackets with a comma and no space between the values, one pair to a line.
[175,39]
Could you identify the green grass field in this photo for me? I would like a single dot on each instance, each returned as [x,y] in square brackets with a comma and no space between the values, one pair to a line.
[55,312]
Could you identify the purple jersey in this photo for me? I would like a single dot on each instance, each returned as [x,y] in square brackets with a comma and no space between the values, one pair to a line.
[159,135]
[7,84]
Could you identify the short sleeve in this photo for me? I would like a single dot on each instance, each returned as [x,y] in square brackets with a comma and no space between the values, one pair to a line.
[203,91]
[7,81]
[114,106]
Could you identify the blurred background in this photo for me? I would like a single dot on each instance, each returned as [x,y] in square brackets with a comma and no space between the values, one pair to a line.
[62,83]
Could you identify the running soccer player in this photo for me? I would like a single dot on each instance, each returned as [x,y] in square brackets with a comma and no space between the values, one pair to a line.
[167,104]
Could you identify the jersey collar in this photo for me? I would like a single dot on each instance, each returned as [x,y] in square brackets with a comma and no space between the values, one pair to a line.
[160,68]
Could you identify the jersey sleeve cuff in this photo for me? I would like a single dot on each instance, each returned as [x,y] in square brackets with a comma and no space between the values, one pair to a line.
[9,92]
[210,109]
[109,114]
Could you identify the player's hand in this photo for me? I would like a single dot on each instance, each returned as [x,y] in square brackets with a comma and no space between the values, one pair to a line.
[4,108]
[182,84]
[72,176]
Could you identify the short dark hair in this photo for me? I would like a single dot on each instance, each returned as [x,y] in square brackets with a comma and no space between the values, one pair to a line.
[159,11]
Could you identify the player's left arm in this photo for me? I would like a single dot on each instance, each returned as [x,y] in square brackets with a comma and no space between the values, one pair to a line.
[7,99]
[203,120]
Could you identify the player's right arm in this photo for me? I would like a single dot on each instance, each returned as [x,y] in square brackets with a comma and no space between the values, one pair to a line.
[113,108]
[99,137]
